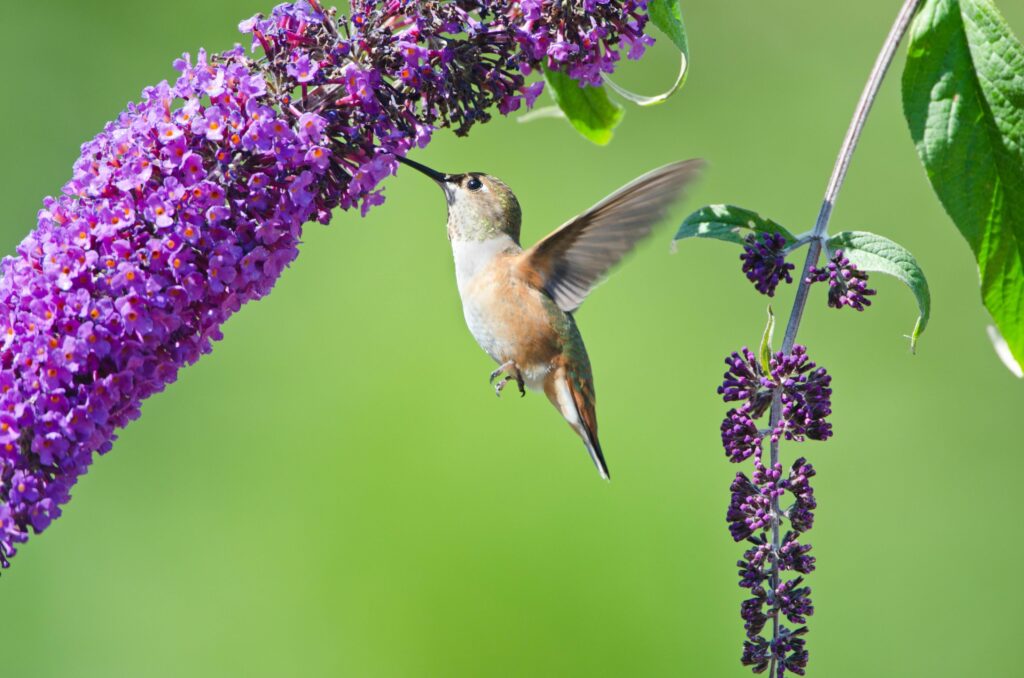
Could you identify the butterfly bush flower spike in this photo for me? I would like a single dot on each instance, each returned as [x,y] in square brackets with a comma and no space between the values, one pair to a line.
[763,502]
[191,202]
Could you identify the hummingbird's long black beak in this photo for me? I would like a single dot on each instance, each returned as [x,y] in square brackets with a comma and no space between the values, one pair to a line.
[433,174]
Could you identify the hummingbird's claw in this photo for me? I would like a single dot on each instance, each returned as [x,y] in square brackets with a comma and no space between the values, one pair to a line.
[500,386]
[513,373]
[505,367]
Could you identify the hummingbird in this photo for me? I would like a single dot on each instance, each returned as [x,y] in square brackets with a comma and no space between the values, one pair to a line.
[519,304]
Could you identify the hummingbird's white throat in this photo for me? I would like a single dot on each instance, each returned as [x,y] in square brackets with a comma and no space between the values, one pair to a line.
[471,256]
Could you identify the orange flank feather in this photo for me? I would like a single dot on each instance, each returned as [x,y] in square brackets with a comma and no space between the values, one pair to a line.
[578,408]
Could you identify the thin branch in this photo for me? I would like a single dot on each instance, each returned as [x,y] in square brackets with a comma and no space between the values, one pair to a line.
[818,237]
[860,116]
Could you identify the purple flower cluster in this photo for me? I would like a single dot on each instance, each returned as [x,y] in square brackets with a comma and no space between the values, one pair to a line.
[583,38]
[191,203]
[756,511]
[392,72]
[847,285]
[804,390]
[787,649]
[764,262]
[753,509]
[174,217]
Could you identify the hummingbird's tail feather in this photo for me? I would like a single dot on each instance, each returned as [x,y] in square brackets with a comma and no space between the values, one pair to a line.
[573,395]
[594,448]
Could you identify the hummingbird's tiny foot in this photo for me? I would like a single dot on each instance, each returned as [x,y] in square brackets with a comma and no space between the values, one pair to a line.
[519,383]
[500,386]
[506,367]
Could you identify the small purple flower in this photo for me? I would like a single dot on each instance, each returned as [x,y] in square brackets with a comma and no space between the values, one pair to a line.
[11,533]
[764,262]
[847,285]
[303,69]
[212,124]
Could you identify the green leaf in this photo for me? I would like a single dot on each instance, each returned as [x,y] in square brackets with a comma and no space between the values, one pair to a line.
[764,353]
[963,97]
[589,109]
[873,253]
[666,15]
[729,223]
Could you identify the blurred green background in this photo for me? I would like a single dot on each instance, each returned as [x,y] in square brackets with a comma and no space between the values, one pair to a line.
[337,491]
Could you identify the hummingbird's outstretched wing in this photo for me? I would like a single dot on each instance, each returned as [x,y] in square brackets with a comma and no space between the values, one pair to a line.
[570,261]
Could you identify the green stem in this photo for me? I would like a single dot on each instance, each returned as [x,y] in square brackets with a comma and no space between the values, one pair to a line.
[817,239]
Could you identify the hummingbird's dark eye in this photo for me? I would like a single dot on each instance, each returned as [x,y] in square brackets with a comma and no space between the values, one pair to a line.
[474,184]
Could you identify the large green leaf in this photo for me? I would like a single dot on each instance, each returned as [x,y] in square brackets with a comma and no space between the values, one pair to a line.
[667,17]
[728,223]
[589,109]
[874,253]
[963,97]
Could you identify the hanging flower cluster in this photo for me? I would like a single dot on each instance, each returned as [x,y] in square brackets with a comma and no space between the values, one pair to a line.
[847,285]
[750,517]
[757,507]
[804,390]
[764,262]
[191,203]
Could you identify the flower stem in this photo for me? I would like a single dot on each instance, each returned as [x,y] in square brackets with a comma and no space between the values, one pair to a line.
[860,116]
[818,237]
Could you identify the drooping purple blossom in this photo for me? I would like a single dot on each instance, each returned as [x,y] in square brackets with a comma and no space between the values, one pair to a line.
[751,517]
[764,262]
[847,285]
[191,203]
[760,504]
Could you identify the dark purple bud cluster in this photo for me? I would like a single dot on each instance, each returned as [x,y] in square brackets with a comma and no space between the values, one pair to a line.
[192,202]
[754,509]
[788,651]
[805,394]
[848,286]
[740,435]
[764,262]
[761,504]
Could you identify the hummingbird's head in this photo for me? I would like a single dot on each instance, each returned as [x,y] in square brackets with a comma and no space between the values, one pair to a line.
[480,207]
